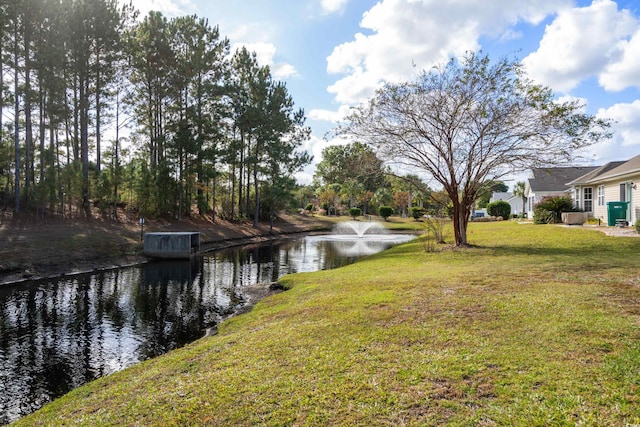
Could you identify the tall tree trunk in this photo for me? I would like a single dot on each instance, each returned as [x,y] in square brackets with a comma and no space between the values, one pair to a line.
[84,142]
[51,185]
[161,141]
[116,157]
[16,123]
[98,110]
[28,127]
[6,187]
[272,211]
[68,159]
[68,149]
[241,177]
[200,185]
[247,190]
[256,212]
[58,168]
[248,178]
[76,119]
[214,193]
[232,185]
[42,128]
[152,133]
[180,177]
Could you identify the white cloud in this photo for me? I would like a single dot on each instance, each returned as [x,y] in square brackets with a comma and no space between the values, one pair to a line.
[333,6]
[356,87]
[408,33]
[170,8]
[626,118]
[265,54]
[625,142]
[626,71]
[283,70]
[584,42]
[328,115]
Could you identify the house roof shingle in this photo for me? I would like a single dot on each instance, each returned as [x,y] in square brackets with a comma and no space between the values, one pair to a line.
[596,173]
[623,168]
[556,179]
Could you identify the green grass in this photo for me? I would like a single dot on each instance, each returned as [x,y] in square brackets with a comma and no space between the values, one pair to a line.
[534,325]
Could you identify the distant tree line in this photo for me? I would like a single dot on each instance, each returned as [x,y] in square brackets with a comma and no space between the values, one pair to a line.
[352,176]
[99,109]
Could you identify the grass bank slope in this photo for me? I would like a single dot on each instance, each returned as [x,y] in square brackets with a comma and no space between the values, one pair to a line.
[535,325]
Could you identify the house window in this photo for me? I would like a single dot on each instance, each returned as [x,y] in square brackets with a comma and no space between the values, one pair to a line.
[601,195]
[587,199]
[623,192]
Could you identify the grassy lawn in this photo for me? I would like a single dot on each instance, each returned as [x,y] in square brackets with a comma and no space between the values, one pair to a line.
[535,325]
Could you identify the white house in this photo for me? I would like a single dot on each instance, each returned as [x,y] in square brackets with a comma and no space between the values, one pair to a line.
[598,191]
[552,182]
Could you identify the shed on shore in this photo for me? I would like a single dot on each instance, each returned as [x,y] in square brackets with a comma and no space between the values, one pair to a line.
[180,244]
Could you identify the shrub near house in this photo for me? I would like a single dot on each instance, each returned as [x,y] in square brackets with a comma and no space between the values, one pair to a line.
[549,210]
[499,208]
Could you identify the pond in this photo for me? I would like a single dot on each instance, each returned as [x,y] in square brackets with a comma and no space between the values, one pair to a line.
[56,335]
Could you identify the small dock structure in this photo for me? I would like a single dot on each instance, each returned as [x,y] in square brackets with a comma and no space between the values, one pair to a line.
[172,245]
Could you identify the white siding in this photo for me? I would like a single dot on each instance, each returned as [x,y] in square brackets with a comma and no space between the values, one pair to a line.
[635,198]
[612,194]
[635,207]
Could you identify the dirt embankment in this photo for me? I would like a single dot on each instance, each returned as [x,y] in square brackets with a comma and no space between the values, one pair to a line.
[34,248]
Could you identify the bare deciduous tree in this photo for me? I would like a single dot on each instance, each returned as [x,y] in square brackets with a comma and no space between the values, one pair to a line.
[470,121]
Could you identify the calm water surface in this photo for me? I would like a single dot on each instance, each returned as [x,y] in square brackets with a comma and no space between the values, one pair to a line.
[56,335]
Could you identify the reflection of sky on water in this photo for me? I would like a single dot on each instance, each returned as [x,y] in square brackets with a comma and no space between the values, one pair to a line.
[56,335]
[329,251]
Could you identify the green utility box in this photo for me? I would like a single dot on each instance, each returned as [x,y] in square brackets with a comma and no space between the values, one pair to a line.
[616,211]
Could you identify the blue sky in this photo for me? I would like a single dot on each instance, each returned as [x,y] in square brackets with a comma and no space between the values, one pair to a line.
[333,54]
